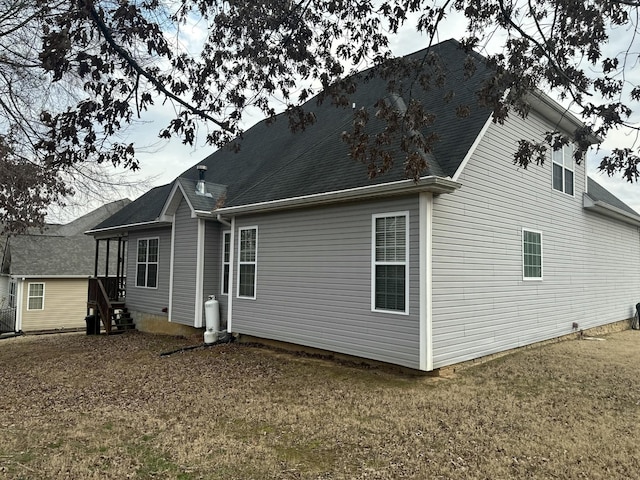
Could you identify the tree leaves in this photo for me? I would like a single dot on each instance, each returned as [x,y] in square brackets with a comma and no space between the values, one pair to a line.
[113,59]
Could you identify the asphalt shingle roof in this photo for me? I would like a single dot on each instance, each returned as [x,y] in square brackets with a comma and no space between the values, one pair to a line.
[43,255]
[274,163]
[599,193]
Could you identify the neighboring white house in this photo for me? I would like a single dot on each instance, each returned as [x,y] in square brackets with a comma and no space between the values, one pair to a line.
[475,258]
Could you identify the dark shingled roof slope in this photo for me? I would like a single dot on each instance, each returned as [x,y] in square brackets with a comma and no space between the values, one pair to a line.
[274,163]
[598,193]
[145,209]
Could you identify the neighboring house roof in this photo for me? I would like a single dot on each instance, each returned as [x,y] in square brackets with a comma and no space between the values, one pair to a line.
[44,255]
[67,253]
[88,221]
[273,163]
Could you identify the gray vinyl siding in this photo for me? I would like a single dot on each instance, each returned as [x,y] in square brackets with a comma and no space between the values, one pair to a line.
[149,300]
[481,304]
[213,265]
[314,282]
[184,266]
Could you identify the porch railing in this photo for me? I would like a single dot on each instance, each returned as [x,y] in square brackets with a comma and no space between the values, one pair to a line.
[103,293]
[8,320]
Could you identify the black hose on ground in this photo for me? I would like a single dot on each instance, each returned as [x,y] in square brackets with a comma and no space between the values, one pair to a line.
[226,339]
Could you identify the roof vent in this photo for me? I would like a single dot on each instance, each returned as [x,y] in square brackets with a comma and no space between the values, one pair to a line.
[201,189]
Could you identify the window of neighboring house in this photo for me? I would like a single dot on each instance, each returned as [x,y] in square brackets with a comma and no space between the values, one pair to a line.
[35,299]
[531,255]
[147,263]
[390,251]
[562,161]
[247,262]
[12,294]
[226,251]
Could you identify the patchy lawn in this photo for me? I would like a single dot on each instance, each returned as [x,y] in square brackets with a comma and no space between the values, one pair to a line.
[73,406]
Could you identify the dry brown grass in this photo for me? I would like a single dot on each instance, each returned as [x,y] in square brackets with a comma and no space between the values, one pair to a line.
[73,406]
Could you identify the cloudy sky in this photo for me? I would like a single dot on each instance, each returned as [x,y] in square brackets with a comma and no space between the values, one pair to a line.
[162,161]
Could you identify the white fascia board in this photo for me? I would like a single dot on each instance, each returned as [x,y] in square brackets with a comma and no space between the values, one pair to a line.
[172,202]
[561,117]
[471,151]
[23,277]
[120,230]
[604,208]
[431,184]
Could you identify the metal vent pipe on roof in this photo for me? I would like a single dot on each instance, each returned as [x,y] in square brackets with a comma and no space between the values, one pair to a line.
[201,189]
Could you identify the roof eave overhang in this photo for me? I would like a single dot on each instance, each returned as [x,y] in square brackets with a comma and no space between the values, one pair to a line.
[562,118]
[436,185]
[119,230]
[603,208]
[62,277]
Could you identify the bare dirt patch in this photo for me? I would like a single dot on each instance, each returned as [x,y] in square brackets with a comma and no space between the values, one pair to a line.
[75,406]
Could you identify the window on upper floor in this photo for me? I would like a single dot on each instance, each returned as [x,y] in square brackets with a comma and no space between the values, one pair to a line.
[531,255]
[562,161]
[147,263]
[390,251]
[247,262]
[226,258]
[35,297]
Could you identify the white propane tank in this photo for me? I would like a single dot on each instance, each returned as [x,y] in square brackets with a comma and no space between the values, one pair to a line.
[212,319]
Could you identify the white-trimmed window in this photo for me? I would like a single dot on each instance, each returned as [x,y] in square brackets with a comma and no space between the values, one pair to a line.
[147,263]
[226,258]
[247,261]
[35,296]
[390,260]
[531,255]
[562,161]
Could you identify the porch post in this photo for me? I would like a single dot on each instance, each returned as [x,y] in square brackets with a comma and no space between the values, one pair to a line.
[95,269]
[106,267]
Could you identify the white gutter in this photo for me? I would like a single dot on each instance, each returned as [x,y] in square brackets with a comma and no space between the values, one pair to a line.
[24,276]
[223,221]
[604,208]
[425,184]
[129,226]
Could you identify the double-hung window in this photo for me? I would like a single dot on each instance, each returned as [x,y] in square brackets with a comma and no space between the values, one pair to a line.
[35,296]
[147,263]
[562,161]
[390,272]
[531,255]
[226,251]
[247,261]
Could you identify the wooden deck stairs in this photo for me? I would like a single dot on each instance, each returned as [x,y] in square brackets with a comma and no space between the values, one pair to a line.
[105,301]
